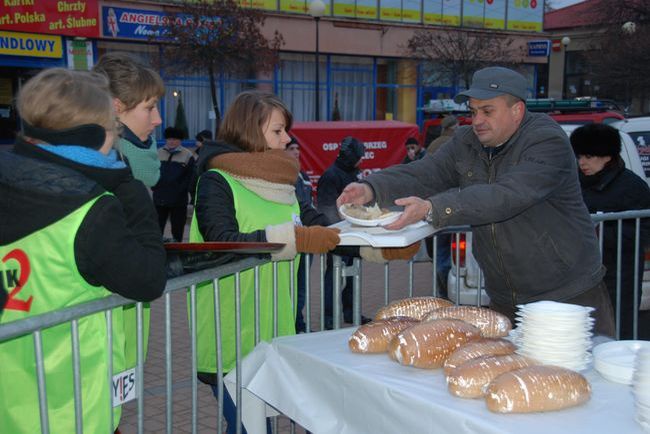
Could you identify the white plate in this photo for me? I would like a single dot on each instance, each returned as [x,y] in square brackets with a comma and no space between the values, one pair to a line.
[615,360]
[383,221]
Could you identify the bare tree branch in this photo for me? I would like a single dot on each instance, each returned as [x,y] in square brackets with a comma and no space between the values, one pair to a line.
[218,37]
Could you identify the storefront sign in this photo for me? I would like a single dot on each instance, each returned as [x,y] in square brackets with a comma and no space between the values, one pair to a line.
[526,15]
[538,48]
[30,44]
[485,14]
[442,12]
[71,18]
[79,54]
[133,23]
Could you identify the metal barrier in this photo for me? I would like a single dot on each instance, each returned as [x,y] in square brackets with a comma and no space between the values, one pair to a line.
[188,283]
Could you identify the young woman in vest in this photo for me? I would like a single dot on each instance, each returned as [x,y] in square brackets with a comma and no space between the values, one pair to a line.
[76,227]
[248,194]
[136,90]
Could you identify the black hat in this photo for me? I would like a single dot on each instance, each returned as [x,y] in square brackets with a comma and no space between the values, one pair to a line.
[352,147]
[173,133]
[412,141]
[204,135]
[488,83]
[596,139]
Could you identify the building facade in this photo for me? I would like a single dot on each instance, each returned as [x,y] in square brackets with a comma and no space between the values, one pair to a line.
[363,65]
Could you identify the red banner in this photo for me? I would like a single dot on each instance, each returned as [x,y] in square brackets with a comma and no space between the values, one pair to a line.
[71,18]
[320,141]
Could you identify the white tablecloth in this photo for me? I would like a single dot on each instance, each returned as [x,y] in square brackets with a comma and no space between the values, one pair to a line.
[316,381]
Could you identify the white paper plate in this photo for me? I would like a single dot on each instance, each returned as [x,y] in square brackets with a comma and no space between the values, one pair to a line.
[615,360]
[384,220]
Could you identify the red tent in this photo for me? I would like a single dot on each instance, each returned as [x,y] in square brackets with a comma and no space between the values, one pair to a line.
[319,143]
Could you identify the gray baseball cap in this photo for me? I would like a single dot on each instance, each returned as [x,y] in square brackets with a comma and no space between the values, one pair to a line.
[488,83]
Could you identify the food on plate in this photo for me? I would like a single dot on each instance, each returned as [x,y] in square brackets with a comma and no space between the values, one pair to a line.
[414,307]
[537,388]
[375,336]
[492,324]
[471,379]
[364,212]
[476,349]
[428,344]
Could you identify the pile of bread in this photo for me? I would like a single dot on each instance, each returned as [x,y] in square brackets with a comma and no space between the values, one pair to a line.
[467,342]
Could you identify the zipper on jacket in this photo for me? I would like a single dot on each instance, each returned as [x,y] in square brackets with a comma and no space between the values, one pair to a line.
[493,231]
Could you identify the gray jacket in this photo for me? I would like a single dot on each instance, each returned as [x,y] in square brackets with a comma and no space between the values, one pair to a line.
[532,233]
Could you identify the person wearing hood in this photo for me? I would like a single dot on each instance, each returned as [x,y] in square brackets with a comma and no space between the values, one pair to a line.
[607,186]
[76,227]
[512,177]
[136,91]
[342,172]
[247,194]
[413,150]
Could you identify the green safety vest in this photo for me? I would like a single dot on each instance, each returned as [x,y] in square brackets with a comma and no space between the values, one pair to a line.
[40,273]
[253,213]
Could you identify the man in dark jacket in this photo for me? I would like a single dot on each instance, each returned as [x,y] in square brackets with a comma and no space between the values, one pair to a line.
[512,176]
[344,171]
[170,194]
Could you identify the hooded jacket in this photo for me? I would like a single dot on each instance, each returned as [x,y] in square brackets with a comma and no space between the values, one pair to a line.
[118,244]
[343,172]
[532,234]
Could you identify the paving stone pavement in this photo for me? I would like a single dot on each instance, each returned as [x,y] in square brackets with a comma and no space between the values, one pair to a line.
[155,418]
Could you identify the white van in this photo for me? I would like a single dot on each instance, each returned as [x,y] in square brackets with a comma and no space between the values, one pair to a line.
[467,290]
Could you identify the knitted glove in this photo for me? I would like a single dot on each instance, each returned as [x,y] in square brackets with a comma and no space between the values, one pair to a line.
[389,253]
[316,239]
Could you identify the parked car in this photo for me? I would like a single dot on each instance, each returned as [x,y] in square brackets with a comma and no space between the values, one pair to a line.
[639,131]
[465,289]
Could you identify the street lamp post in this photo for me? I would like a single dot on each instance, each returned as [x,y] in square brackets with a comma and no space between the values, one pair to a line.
[565,43]
[316,10]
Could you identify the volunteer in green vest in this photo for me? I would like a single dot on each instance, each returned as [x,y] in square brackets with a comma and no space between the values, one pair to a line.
[248,194]
[136,91]
[76,226]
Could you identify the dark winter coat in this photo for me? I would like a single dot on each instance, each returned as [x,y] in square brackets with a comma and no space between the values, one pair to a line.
[334,180]
[614,189]
[176,172]
[118,244]
[532,234]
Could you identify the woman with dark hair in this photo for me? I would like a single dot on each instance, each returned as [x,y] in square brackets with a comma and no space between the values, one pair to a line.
[607,186]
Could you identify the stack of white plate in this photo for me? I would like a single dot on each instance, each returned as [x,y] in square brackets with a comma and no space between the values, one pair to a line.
[641,386]
[555,333]
[615,360]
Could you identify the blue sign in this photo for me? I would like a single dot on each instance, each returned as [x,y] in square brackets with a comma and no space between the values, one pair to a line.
[539,48]
[136,23]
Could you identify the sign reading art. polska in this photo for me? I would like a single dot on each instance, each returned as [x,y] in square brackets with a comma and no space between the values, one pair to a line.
[71,18]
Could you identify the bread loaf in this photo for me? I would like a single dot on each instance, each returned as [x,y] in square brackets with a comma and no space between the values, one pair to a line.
[414,307]
[537,388]
[492,324]
[375,336]
[471,379]
[476,349]
[427,345]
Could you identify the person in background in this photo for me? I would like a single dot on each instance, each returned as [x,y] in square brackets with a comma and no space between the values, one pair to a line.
[448,124]
[200,138]
[342,172]
[413,150]
[170,194]
[512,177]
[607,186]
[246,193]
[304,195]
[136,91]
[63,187]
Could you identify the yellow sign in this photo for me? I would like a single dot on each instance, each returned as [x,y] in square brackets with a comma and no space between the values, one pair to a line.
[30,44]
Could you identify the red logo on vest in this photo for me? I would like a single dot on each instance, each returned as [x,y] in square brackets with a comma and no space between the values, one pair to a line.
[16,279]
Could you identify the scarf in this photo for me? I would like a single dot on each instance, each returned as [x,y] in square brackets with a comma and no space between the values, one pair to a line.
[85,156]
[270,174]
